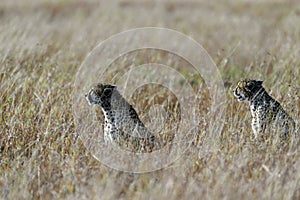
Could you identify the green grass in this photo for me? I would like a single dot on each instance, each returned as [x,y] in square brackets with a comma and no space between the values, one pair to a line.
[42,47]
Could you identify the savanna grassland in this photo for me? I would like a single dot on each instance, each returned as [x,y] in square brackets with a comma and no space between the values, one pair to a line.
[42,45]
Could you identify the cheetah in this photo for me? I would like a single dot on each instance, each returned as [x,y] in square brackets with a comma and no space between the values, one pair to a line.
[268,117]
[122,126]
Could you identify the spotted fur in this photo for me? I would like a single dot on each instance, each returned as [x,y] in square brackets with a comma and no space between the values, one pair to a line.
[122,125]
[268,116]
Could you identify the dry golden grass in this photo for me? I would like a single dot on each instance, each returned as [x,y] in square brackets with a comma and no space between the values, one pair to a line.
[42,47]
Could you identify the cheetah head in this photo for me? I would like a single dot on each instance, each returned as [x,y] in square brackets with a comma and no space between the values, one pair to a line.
[247,89]
[100,94]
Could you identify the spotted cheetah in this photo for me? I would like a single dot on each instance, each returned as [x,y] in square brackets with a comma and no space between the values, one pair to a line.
[267,114]
[122,125]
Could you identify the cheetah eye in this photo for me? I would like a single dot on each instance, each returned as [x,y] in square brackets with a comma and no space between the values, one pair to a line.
[107,92]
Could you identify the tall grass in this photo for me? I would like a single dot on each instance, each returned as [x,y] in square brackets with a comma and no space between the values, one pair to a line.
[42,45]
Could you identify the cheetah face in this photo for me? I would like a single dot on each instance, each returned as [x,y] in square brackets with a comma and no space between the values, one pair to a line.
[100,94]
[247,89]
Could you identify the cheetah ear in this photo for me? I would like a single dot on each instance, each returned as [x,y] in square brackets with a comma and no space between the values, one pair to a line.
[112,87]
[260,82]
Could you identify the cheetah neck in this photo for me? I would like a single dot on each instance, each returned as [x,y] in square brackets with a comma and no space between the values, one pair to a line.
[115,105]
[113,109]
[260,95]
